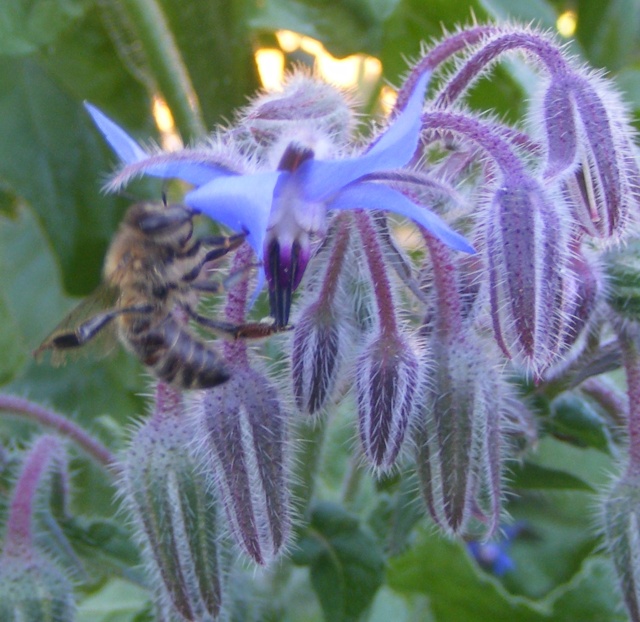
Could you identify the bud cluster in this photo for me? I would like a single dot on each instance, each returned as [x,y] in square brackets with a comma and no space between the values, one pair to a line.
[504,282]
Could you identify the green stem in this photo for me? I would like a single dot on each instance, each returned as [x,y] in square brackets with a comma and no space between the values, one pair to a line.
[309,440]
[352,480]
[167,67]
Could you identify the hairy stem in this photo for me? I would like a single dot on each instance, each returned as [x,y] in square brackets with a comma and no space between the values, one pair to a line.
[28,410]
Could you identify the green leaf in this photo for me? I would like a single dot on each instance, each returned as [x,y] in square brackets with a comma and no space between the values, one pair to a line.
[623,285]
[51,156]
[344,26]
[608,31]
[473,595]
[531,476]
[27,26]
[574,420]
[428,568]
[345,561]
[396,514]
[117,601]
[539,12]
[13,351]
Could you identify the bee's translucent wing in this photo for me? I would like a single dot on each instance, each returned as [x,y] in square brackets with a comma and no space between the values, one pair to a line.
[87,329]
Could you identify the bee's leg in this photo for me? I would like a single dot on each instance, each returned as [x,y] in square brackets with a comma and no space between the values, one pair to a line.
[219,246]
[89,329]
[204,284]
[203,255]
[249,330]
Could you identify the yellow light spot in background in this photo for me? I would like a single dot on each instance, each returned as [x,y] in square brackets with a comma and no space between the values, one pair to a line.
[289,41]
[270,67]
[162,115]
[567,23]
[388,99]
[357,70]
[169,137]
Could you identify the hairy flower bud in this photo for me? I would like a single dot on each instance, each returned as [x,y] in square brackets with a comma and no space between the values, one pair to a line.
[34,589]
[303,99]
[174,510]
[603,189]
[245,434]
[621,518]
[526,250]
[389,383]
[318,348]
[458,437]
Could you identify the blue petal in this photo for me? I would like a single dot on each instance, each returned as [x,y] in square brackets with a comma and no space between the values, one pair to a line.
[393,150]
[165,165]
[127,149]
[241,202]
[368,195]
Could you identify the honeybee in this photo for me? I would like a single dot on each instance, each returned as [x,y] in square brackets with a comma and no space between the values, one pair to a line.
[153,278]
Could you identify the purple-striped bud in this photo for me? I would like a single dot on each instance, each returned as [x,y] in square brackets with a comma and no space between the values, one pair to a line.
[458,437]
[319,344]
[603,190]
[174,510]
[526,250]
[621,518]
[245,434]
[389,385]
[559,121]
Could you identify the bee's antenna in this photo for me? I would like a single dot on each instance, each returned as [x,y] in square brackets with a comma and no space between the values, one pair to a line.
[164,198]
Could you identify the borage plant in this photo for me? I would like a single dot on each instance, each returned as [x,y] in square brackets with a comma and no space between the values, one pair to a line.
[513,302]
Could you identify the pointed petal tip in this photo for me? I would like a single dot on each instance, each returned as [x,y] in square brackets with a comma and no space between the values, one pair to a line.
[125,147]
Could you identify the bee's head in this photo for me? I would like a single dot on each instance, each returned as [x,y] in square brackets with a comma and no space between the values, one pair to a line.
[166,224]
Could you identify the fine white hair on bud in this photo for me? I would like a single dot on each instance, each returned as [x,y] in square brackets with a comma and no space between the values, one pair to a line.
[527,256]
[459,437]
[389,383]
[621,522]
[305,109]
[244,430]
[174,511]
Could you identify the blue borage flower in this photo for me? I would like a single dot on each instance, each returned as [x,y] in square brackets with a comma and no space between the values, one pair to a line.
[283,210]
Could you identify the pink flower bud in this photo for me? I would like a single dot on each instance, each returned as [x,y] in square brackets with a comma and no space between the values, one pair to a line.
[526,250]
[174,511]
[389,384]
[459,436]
[245,430]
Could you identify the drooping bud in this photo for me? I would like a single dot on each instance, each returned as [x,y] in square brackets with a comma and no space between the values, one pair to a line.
[389,370]
[526,254]
[174,510]
[389,384]
[32,587]
[459,437]
[318,348]
[245,435]
[603,189]
[321,336]
[561,134]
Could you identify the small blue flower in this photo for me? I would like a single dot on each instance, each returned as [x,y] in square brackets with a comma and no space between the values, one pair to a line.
[494,556]
[283,210]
